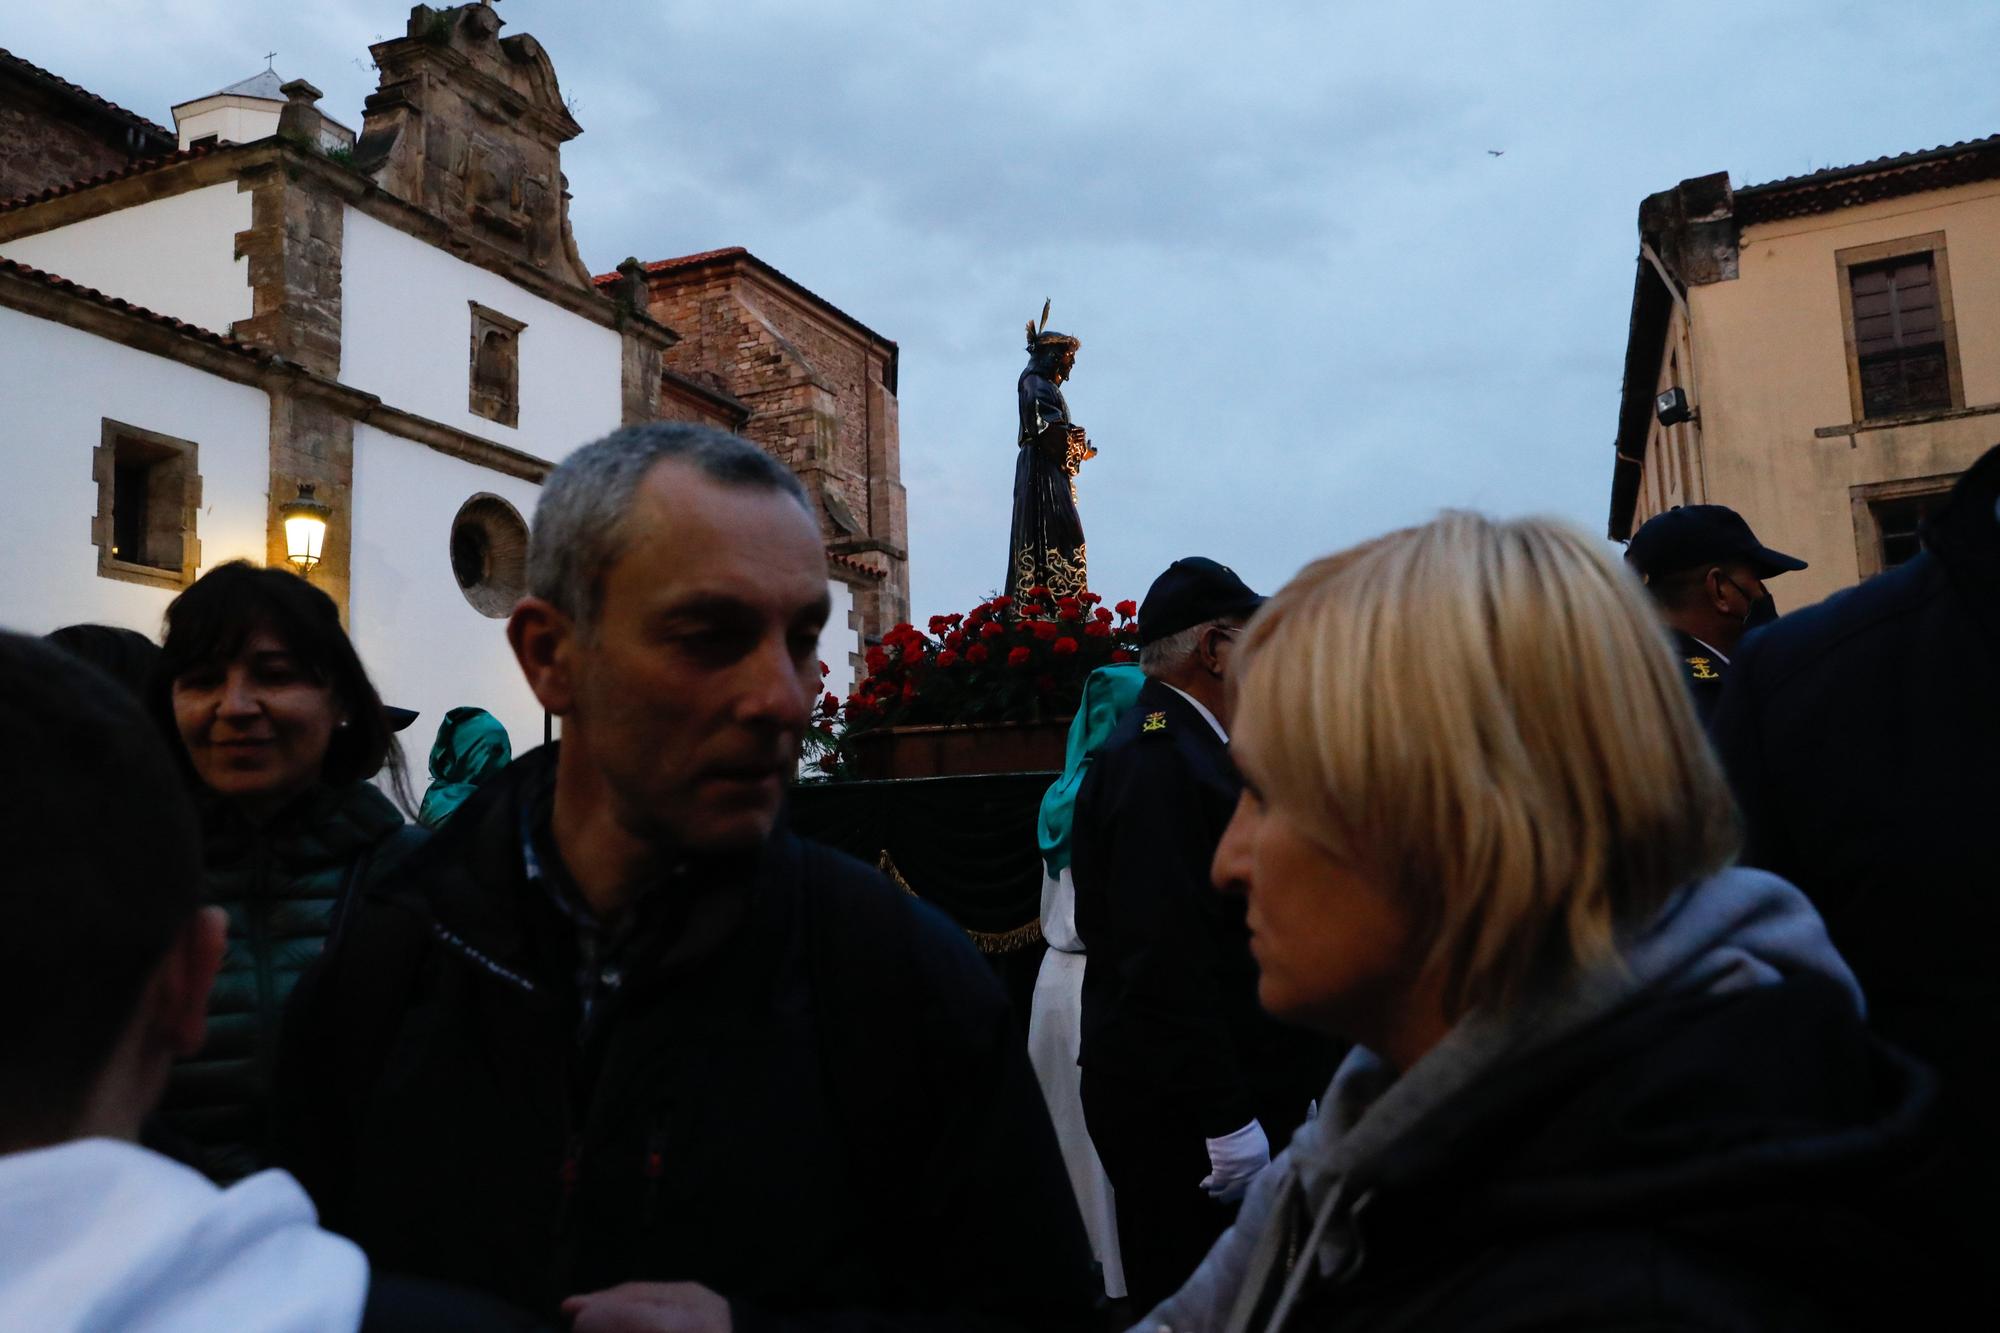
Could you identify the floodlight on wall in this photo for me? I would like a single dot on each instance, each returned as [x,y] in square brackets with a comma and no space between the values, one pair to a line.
[305,522]
[1672,407]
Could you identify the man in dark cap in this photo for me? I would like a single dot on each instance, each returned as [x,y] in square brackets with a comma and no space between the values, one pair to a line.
[1188,1088]
[1706,569]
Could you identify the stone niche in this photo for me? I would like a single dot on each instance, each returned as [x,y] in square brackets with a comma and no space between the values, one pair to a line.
[469,125]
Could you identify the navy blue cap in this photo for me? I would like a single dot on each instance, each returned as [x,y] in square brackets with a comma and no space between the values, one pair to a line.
[1193,591]
[1690,536]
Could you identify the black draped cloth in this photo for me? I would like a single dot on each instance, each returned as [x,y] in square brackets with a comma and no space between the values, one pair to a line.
[1046,545]
[966,845]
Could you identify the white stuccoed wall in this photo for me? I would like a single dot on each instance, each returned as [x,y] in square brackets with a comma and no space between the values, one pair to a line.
[58,385]
[837,641]
[406,336]
[175,255]
[424,645]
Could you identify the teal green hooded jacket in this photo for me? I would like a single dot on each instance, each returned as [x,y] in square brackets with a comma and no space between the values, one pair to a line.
[1107,693]
[471,747]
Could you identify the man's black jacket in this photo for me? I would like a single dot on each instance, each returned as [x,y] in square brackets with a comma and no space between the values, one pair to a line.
[1862,737]
[806,1096]
[1170,988]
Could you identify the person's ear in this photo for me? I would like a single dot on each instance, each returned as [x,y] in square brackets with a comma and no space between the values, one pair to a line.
[1214,647]
[186,975]
[1715,583]
[544,642]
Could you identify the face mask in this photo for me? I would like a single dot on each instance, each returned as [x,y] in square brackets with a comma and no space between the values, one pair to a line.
[1763,610]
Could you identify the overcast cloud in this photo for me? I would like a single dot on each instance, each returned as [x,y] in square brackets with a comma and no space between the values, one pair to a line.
[1313,307]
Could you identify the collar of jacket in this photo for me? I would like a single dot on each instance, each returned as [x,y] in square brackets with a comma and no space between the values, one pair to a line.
[333,822]
[471,881]
[1185,722]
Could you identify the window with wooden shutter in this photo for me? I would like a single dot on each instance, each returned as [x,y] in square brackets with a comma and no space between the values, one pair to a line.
[1899,336]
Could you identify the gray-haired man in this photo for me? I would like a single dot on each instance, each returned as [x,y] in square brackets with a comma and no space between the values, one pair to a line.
[619,1043]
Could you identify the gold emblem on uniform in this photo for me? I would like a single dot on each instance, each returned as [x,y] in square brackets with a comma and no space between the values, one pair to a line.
[1702,669]
[1154,722]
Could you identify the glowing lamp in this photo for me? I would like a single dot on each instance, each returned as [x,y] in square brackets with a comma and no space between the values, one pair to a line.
[305,528]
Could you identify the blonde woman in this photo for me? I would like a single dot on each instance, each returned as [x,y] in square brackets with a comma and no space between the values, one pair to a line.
[1603,1080]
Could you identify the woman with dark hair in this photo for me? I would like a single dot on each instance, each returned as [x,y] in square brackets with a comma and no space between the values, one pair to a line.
[280,729]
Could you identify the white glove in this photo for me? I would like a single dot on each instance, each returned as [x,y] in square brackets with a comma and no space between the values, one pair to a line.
[1234,1161]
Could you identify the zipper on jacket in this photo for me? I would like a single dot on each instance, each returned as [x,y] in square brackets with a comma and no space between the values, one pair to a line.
[653,1166]
[567,1176]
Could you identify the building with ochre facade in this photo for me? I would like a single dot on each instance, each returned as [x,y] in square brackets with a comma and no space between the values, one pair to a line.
[1820,353]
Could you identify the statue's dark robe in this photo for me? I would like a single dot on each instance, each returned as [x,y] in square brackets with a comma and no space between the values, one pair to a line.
[1046,544]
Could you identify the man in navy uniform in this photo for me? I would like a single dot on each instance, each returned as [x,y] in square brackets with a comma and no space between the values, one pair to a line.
[1188,1087]
[1706,570]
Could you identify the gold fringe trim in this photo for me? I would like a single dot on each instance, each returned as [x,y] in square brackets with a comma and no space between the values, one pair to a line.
[987,941]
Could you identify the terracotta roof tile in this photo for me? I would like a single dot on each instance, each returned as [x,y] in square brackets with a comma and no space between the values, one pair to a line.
[91,294]
[136,168]
[1865,182]
[84,95]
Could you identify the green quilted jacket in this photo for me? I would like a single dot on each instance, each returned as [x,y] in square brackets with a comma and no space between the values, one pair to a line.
[282,884]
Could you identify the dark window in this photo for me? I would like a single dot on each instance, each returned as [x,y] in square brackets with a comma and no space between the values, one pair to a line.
[146,506]
[1899,341]
[148,497]
[489,554]
[1899,521]
[496,365]
[205,141]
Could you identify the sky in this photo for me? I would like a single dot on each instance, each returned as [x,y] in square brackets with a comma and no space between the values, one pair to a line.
[1314,306]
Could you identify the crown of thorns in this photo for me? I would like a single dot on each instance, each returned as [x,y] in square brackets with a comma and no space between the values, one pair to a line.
[1044,337]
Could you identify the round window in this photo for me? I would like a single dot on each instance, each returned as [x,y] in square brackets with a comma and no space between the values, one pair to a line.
[489,554]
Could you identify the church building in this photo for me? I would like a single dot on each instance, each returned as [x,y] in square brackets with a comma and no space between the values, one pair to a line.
[206,325]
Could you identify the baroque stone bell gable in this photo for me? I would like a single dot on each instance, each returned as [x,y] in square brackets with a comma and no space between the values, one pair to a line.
[469,126]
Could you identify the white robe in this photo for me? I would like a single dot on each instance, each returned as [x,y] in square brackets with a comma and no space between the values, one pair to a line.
[1055,1032]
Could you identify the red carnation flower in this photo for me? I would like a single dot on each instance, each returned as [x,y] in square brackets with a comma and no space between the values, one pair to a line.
[954,640]
[1044,629]
[947,658]
[827,762]
[1039,590]
[1088,598]
[824,671]
[990,631]
[877,659]
[977,654]
[1122,655]
[1064,648]
[1102,613]
[830,704]
[1128,608]
[1018,657]
[1097,629]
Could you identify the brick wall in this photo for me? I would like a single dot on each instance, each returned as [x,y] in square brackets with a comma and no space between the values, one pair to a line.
[818,398]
